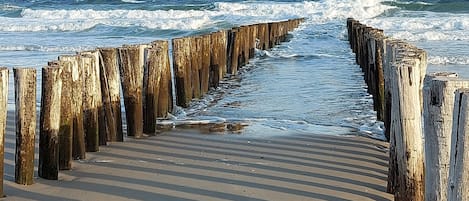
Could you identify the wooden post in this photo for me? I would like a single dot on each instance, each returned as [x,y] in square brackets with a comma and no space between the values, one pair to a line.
[131,70]
[182,70]
[406,120]
[110,88]
[78,145]
[165,97]
[263,35]
[236,35]
[156,85]
[3,119]
[196,63]
[65,135]
[50,123]
[458,186]
[438,96]
[253,38]
[25,96]
[91,92]
[97,95]
[205,72]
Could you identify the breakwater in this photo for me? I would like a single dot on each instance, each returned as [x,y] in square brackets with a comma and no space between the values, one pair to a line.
[80,103]
[424,116]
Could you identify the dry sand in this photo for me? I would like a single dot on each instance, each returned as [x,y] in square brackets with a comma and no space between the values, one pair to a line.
[184,164]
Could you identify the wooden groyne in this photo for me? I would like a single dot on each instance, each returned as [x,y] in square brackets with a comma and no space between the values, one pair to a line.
[81,103]
[424,116]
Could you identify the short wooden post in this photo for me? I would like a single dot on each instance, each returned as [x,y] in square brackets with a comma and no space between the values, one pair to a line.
[458,186]
[205,72]
[65,135]
[165,94]
[196,64]
[77,83]
[182,70]
[438,107]
[3,119]
[25,96]
[91,92]
[50,123]
[406,120]
[110,88]
[131,70]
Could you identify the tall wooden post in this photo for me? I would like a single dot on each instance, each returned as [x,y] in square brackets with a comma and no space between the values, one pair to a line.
[182,70]
[66,114]
[50,123]
[91,93]
[438,96]
[110,88]
[196,64]
[3,119]
[406,120]
[77,83]
[458,183]
[205,71]
[25,96]
[236,35]
[165,97]
[131,70]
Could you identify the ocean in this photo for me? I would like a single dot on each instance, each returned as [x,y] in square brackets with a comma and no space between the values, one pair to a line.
[309,84]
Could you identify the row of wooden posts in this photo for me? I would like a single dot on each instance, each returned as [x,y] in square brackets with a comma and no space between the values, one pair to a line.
[425,117]
[80,103]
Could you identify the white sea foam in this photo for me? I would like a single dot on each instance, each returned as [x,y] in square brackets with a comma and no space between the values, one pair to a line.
[34,20]
[449,60]
[45,48]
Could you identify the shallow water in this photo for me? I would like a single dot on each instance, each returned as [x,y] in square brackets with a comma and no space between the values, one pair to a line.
[309,84]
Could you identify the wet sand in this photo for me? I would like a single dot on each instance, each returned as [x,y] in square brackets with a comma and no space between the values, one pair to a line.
[184,164]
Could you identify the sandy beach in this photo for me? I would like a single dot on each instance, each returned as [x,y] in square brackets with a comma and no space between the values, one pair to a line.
[184,164]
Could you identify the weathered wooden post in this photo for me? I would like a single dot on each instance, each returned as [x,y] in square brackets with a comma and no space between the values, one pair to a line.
[263,35]
[78,145]
[49,123]
[165,97]
[110,88]
[236,35]
[3,119]
[406,120]
[196,64]
[25,96]
[91,92]
[205,72]
[156,87]
[65,136]
[458,186]
[439,89]
[182,70]
[131,71]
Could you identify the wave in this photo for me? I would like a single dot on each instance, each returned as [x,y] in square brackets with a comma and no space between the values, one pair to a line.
[41,48]
[226,13]
[448,60]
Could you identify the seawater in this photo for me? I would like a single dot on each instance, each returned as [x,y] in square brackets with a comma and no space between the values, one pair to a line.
[309,84]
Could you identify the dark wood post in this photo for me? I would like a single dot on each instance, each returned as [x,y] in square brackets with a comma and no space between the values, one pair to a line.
[3,119]
[49,123]
[25,96]
[78,145]
[131,70]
